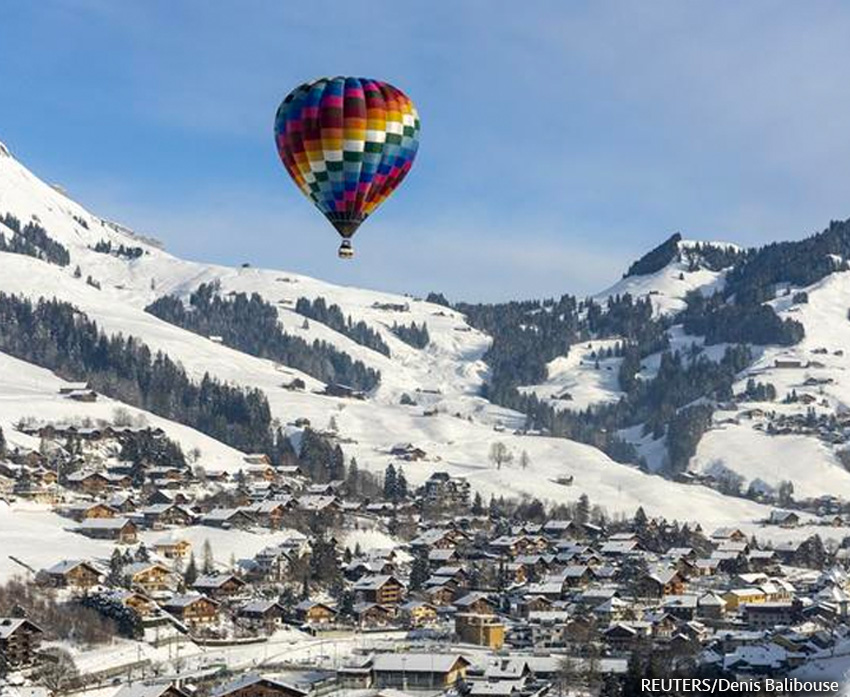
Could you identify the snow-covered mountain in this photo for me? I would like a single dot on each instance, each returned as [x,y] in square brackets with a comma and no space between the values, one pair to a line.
[448,418]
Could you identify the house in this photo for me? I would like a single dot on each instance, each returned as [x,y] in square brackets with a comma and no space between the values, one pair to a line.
[272,563]
[482,630]
[70,387]
[711,606]
[169,496]
[440,595]
[437,538]
[445,490]
[475,603]
[787,363]
[19,643]
[72,573]
[771,615]
[192,609]
[262,614]
[407,452]
[381,589]
[228,518]
[253,685]
[622,635]
[373,614]
[575,576]
[91,483]
[172,549]
[263,472]
[271,513]
[122,503]
[515,545]
[733,534]
[121,530]
[737,597]
[662,582]
[441,557]
[618,548]
[158,515]
[139,602]
[784,519]
[418,613]
[82,395]
[219,585]
[313,612]
[558,529]
[150,577]
[86,510]
[345,391]
[417,671]
[159,689]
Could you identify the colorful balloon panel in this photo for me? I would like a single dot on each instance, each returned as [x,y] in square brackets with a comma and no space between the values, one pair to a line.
[347,143]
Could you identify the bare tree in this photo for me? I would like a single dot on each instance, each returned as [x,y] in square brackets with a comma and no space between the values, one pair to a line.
[58,671]
[524,460]
[500,455]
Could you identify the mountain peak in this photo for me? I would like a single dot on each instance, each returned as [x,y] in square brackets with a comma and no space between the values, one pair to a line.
[656,259]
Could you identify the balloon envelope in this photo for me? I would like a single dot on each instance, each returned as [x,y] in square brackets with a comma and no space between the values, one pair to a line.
[347,142]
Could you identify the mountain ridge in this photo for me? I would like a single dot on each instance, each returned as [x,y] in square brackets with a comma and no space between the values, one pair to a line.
[434,396]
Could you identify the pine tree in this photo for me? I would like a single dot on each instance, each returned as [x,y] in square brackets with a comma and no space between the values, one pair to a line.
[346,604]
[583,510]
[116,568]
[477,504]
[142,553]
[208,564]
[419,572]
[191,574]
[400,485]
[390,483]
[786,493]
[352,478]
[640,520]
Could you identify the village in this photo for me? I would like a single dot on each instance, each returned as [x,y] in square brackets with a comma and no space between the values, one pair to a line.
[504,598]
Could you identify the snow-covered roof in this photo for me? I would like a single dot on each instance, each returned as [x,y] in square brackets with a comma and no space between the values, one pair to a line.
[141,689]
[416,662]
[246,681]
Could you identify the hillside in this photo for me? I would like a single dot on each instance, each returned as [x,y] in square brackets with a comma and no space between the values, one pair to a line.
[440,397]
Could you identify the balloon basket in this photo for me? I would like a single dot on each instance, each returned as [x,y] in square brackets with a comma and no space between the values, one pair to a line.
[345,250]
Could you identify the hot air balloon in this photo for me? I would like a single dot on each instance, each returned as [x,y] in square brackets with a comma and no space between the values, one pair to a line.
[347,142]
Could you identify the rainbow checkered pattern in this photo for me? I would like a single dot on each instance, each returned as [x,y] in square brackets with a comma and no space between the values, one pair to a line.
[347,142]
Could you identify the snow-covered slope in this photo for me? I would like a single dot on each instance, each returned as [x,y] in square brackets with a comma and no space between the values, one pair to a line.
[29,392]
[771,441]
[444,378]
[584,377]
[668,286]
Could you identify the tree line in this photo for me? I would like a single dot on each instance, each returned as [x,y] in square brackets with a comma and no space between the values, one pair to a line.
[250,324]
[331,316]
[32,240]
[57,336]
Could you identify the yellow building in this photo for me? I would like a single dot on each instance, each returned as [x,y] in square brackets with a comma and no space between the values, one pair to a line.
[482,630]
[743,596]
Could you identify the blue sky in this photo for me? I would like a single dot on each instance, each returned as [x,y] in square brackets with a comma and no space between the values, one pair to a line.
[559,139]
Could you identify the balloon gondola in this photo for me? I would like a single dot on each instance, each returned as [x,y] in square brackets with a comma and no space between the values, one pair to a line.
[347,143]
